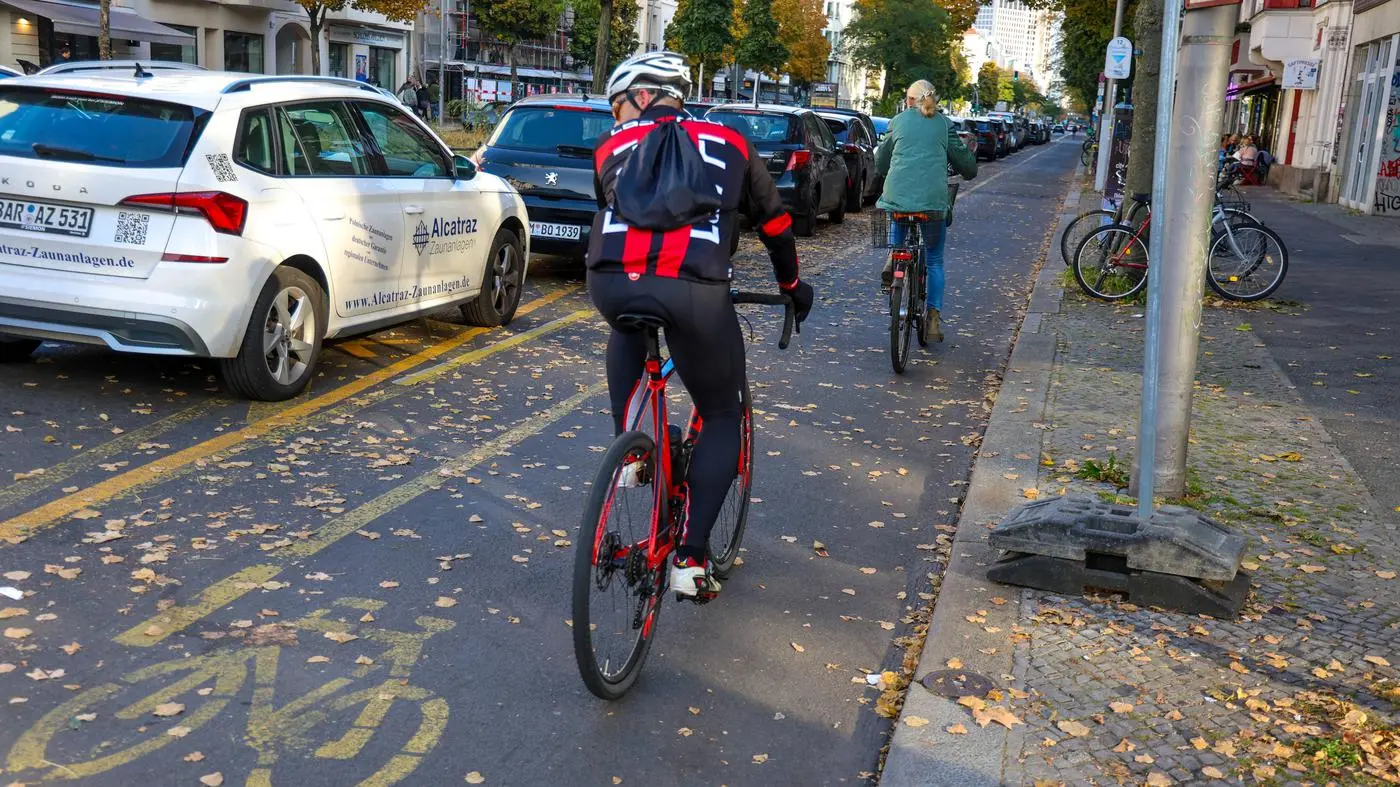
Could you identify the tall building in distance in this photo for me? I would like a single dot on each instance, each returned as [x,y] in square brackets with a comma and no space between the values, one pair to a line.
[1024,38]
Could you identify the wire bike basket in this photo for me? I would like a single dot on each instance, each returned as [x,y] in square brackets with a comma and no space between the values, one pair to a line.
[883,222]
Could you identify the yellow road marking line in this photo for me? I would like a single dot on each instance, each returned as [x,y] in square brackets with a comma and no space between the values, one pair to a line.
[50,513]
[62,471]
[475,355]
[355,347]
[230,589]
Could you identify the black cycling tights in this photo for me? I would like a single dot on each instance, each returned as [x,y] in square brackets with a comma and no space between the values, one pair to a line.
[703,336]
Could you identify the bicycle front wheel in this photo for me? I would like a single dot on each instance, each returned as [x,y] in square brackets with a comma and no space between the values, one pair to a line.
[1111,263]
[1079,228]
[617,597]
[1246,263]
[901,322]
[728,532]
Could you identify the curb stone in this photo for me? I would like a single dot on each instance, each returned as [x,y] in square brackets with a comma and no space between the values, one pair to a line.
[928,754]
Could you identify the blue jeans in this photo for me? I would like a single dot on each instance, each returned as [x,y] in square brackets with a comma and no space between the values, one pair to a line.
[935,233]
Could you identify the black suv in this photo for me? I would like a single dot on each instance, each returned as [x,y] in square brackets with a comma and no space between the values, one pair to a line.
[855,136]
[544,148]
[802,155]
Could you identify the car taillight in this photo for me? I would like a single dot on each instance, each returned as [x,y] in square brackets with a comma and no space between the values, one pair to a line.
[850,148]
[224,212]
[799,159]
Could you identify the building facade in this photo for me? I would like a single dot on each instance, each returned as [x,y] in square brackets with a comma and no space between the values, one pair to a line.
[1368,161]
[855,86]
[653,17]
[1025,38]
[477,65]
[253,36]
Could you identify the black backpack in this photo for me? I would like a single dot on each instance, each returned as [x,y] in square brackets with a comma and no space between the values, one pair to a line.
[663,185]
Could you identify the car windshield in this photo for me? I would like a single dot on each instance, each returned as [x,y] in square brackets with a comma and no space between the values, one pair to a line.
[96,129]
[760,126]
[551,129]
[984,125]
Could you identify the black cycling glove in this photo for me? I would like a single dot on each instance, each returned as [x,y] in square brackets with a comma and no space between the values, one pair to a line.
[802,296]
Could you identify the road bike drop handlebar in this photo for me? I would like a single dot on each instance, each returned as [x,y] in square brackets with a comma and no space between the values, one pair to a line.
[770,299]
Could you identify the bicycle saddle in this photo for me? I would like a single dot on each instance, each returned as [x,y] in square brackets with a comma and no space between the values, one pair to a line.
[1145,198]
[639,322]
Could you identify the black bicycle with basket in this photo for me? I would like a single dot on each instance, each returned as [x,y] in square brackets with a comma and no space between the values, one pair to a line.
[908,288]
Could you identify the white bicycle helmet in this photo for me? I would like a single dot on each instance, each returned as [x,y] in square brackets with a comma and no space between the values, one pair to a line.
[665,71]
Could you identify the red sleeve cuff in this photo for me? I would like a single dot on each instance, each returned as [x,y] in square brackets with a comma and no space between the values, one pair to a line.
[790,285]
[776,225]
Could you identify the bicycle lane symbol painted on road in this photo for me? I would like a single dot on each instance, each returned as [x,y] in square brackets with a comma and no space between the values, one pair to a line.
[334,721]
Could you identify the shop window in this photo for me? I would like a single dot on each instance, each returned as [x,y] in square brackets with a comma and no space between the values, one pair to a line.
[177,53]
[243,53]
[381,67]
[339,53]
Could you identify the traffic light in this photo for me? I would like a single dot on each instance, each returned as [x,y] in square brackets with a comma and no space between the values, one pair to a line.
[1015,76]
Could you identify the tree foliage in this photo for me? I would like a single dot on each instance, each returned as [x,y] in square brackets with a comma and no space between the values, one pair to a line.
[703,31]
[514,21]
[623,42]
[909,39]
[316,10]
[988,84]
[1085,31]
[800,24]
[961,13]
[759,47]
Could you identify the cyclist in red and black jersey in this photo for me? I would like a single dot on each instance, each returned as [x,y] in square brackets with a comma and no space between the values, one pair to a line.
[682,276]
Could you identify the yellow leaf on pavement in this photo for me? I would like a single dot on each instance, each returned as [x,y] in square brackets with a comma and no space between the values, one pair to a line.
[212,780]
[956,729]
[1378,661]
[445,602]
[915,721]
[1074,728]
[1121,707]
[1159,779]
[169,709]
[475,777]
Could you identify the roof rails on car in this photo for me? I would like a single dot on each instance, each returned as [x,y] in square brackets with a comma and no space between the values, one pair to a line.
[141,69]
[247,84]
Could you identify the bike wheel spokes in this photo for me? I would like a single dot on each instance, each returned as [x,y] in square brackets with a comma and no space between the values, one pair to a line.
[1111,263]
[1079,229]
[1246,263]
[616,595]
[733,514]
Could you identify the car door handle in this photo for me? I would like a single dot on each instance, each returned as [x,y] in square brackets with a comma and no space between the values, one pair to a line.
[412,210]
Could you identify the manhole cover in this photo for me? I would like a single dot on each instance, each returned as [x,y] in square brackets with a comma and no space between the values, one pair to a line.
[953,683]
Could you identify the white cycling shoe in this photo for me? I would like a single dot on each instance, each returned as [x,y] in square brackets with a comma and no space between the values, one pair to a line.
[693,581]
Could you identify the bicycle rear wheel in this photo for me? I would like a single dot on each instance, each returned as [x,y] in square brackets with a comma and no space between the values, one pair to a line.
[1246,263]
[1079,228]
[616,598]
[1111,263]
[901,321]
[728,532]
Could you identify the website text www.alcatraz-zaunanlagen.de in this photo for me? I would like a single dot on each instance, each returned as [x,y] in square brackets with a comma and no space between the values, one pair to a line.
[414,293]
[36,253]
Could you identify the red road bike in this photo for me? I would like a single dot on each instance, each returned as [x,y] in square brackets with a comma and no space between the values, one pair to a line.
[633,520]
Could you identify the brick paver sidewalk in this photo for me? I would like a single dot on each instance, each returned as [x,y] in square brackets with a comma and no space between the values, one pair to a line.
[1300,689]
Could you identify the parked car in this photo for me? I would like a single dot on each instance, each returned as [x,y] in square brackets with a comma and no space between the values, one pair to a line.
[855,137]
[994,138]
[243,218]
[802,155]
[8,73]
[966,132]
[882,125]
[544,148]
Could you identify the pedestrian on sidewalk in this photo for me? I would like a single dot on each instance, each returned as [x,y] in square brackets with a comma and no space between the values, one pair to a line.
[914,157]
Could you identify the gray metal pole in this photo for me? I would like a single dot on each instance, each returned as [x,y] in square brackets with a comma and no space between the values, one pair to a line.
[1110,94]
[442,64]
[1182,219]
[1166,100]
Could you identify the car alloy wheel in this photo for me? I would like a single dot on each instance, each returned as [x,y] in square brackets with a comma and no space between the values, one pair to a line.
[505,282]
[289,335]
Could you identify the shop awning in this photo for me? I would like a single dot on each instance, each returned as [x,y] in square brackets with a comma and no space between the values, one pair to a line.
[81,19]
[1244,89]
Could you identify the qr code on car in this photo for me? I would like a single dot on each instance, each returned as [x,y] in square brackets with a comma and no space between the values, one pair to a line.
[223,170]
[132,227]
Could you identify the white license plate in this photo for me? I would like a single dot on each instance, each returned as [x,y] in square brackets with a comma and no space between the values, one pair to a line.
[539,229]
[43,217]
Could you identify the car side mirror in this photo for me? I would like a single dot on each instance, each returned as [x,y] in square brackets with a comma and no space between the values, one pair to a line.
[465,168]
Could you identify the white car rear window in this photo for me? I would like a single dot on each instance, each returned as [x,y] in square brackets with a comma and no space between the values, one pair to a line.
[100,129]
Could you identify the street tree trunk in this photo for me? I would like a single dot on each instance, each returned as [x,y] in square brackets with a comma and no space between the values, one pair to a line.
[600,53]
[317,17]
[1147,37]
[515,91]
[104,29]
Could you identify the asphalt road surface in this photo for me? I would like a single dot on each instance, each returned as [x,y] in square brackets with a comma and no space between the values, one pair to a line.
[370,584]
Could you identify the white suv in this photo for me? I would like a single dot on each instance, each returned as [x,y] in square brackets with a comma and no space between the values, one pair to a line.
[240,218]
